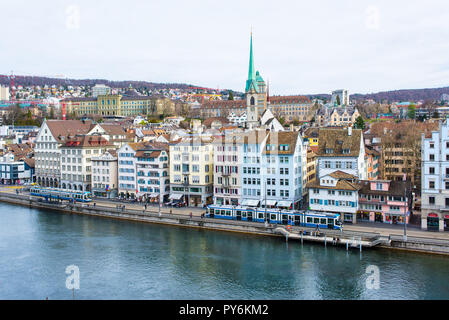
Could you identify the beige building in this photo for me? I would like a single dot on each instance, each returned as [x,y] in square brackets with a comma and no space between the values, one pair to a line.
[336,116]
[76,160]
[191,171]
[4,93]
[104,175]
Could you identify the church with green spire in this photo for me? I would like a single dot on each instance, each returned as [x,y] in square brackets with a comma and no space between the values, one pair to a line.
[255,91]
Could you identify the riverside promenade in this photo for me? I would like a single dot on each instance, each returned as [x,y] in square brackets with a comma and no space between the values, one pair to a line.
[353,236]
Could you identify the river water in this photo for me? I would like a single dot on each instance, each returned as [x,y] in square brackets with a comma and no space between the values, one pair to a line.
[130,260]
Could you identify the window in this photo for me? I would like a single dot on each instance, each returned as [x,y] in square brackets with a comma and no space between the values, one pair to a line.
[431,184]
[431,170]
[431,157]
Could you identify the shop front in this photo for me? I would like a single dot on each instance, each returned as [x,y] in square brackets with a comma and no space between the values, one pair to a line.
[394,218]
[433,222]
[446,222]
[348,218]
[363,215]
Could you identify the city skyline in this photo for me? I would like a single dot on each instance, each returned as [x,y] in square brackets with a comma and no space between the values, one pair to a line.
[364,48]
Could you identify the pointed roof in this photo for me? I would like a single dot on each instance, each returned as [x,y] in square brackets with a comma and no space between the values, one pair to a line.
[251,71]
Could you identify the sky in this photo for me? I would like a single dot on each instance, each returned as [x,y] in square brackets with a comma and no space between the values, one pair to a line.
[300,47]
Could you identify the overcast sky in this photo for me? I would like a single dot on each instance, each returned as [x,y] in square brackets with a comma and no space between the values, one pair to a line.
[301,47]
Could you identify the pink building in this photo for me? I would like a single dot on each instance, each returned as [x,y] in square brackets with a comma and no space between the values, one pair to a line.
[384,201]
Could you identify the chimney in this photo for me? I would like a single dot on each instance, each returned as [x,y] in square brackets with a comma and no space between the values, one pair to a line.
[349,131]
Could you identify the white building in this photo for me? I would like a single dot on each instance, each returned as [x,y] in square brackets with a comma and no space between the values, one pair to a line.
[336,192]
[76,160]
[342,95]
[238,120]
[52,135]
[152,172]
[341,149]
[14,172]
[284,166]
[127,185]
[435,179]
[100,90]
[252,172]
[104,175]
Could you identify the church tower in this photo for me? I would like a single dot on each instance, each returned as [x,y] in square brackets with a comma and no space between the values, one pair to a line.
[256,93]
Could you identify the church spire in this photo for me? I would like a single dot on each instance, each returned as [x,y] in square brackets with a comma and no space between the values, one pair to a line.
[251,71]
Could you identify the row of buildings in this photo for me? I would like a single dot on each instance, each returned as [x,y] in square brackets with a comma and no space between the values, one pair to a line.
[260,168]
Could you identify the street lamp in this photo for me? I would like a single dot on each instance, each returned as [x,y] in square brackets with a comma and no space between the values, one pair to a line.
[405,211]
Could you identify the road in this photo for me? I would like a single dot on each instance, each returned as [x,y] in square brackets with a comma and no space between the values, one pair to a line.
[382,229]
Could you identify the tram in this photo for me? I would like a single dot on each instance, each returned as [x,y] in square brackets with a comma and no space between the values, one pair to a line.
[58,194]
[277,216]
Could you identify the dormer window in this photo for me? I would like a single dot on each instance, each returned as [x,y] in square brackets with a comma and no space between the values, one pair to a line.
[345,151]
[329,150]
[283,147]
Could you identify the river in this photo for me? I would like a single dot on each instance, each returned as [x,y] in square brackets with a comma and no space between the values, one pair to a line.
[130,260]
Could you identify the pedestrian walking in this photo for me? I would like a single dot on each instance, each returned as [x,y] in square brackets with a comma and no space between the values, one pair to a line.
[191,215]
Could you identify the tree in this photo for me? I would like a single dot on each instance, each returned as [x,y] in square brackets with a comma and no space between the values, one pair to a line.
[359,123]
[52,112]
[231,96]
[411,112]
[338,100]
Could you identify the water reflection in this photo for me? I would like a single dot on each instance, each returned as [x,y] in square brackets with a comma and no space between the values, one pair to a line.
[129,260]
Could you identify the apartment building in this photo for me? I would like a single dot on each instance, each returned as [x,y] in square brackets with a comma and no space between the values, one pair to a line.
[335,192]
[227,169]
[252,176]
[152,169]
[435,179]
[126,157]
[76,160]
[15,171]
[284,169]
[191,171]
[343,150]
[336,116]
[372,163]
[52,135]
[4,93]
[399,145]
[104,175]
[384,201]
[100,90]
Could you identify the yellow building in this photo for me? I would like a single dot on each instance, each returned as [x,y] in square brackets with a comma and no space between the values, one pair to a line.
[191,171]
[130,103]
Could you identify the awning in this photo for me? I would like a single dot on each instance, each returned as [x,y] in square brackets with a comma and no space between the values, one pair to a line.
[154,195]
[250,202]
[284,204]
[253,203]
[269,202]
[175,196]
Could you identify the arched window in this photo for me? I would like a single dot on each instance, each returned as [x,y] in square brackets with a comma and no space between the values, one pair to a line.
[252,101]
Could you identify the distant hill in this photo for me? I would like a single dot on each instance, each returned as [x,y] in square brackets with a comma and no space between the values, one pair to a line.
[404,95]
[392,96]
[41,81]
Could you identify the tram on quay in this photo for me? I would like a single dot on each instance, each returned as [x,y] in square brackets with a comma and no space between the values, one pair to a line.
[58,194]
[303,218]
